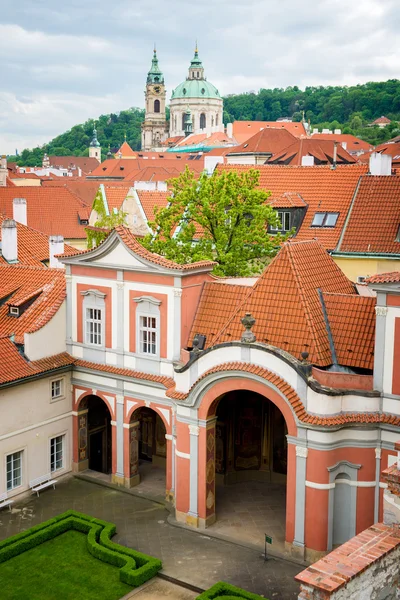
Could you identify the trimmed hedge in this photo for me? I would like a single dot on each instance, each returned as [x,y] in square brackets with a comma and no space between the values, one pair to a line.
[225,591]
[135,568]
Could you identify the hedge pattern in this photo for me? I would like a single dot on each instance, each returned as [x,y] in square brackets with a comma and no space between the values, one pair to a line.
[135,568]
[225,591]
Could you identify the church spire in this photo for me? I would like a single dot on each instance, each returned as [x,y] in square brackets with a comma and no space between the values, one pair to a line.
[95,142]
[196,69]
[155,75]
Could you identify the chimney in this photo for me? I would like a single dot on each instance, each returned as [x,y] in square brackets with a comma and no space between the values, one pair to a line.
[9,244]
[307,161]
[19,211]
[337,132]
[344,145]
[229,130]
[3,171]
[56,246]
[380,164]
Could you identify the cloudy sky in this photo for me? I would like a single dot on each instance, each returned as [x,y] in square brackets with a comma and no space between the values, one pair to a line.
[62,63]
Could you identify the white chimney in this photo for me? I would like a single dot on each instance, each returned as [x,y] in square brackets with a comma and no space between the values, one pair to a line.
[19,211]
[344,145]
[380,164]
[326,131]
[3,171]
[338,131]
[307,161]
[315,130]
[229,130]
[56,246]
[9,244]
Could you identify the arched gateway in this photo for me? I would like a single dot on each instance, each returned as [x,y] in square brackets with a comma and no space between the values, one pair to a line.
[243,438]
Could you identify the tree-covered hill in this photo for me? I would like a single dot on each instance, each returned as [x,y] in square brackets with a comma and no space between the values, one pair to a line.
[351,109]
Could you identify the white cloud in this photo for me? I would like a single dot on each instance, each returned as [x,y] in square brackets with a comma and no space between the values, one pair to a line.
[61,66]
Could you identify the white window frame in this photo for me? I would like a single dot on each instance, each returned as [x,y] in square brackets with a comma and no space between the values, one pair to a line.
[325,216]
[93,326]
[146,329]
[60,438]
[281,216]
[148,307]
[94,300]
[53,383]
[21,468]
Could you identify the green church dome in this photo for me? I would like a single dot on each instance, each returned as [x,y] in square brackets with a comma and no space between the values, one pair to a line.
[195,88]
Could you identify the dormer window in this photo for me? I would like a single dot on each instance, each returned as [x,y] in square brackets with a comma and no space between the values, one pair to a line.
[84,221]
[324,219]
[13,311]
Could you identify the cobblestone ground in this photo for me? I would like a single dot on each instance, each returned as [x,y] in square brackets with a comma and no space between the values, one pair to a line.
[142,524]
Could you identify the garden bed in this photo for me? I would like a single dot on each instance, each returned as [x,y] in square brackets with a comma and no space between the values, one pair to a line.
[71,556]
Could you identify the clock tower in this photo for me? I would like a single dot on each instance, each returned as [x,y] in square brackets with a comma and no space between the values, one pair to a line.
[154,127]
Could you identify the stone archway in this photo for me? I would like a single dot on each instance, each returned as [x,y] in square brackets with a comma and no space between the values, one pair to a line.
[272,460]
[94,439]
[147,449]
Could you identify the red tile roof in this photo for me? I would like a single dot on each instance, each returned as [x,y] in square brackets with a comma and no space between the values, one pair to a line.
[149,200]
[85,189]
[374,221]
[352,323]
[321,150]
[168,382]
[288,200]
[244,130]
[393,277]
[338,568]
[266,141]
[133,244]
[125,151]
[14,366]
[217,302]
[172,162]
[33,246]
[52,210]
[20,281]
[85,163]
[322,188]
[381,120]
[218,137]
[285,303]
[116,194]
[353,143]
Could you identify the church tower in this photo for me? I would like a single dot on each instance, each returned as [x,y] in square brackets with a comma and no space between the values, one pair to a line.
[94,146]
[154,127]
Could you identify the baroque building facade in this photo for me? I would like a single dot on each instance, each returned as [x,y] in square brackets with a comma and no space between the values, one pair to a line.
[242,408]
[154,127]
[195,106]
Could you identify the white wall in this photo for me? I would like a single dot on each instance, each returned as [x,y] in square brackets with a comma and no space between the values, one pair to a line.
[48,340]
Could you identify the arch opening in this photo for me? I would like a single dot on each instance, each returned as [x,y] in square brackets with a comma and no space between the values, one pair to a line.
[202,121]
[248,478]
[99,437]
[148,449]
[156,105]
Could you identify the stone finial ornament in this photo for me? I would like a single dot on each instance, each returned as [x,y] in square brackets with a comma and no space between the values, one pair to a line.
[248,336]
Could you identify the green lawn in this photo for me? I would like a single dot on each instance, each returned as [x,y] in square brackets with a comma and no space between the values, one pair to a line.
[62,569]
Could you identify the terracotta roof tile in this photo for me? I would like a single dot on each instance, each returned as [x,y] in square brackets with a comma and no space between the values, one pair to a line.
[352,322]
[116,194]
[133,244]
[14,366]
[125,151]
[323,190]
[150,199]
[26,281]
[142,167]
[266,141]
[374,221]
[285,303]
[217,302]
[163,379]
[393,277]
[85,189]
[51,210]
[321,150]
[353,143]
[244,130]
[342,418]
[85,163]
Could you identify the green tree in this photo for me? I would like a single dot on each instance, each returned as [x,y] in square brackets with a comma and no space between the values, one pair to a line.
[104,222]
[226,214]
[356,123]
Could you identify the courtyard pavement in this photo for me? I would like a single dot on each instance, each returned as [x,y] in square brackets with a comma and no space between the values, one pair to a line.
[142,524]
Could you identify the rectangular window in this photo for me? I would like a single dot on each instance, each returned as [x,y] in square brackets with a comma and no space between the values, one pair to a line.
[325,220]
[148,335]
[284,218]
[57,453]
[14,470]
[93,326]
[56,389]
